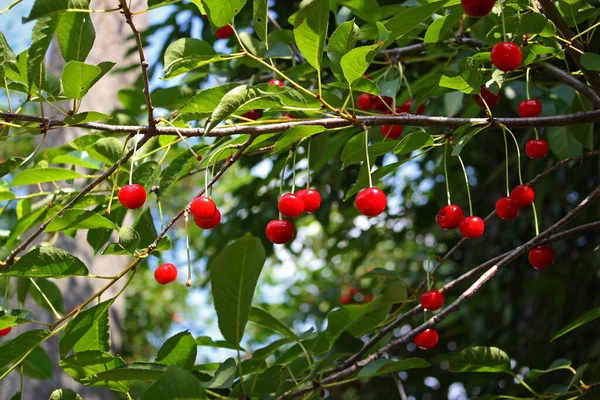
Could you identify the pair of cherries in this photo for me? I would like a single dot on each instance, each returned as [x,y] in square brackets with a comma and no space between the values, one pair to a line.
[520,196]
[281,231]
[431,300]
[452,217]
[205,212]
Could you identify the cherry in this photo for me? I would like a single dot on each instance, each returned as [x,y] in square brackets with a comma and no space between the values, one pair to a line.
[427,339]
[507,208]
[203,207]
[477,8]
[392,132]
[406,107]
[345,299]
[506,56]
[432,300]
[370,201]
[449,217]
[536,149]
[541,257]
[252,114]
[287,115]
[224,32]
[311,199]
[530,108]
[165,273]
[276,82]
[5,331]
[132,196]
[471,227]
[280,231]
[379,104]
[364,101]
[291,205]
[523,195]
[209,223]
[490,98]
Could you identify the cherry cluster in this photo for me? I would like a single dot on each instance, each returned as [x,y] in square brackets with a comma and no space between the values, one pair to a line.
[281,231]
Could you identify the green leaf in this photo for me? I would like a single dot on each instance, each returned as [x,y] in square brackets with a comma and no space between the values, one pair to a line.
[43,31]
[33,176]
[442,28]
[205,101]
[235,271]
[340,320]
[206,341]
[89,330]
[409,18]
[144,226]
[224,377]
[480,359]
[12,351]
[80,219]
[14,317]
[310,31]
[464,138]
[368,10]
[87,116]
[6,56]
[47,261]
[562,143]
[354,151]
[340,43]
[37,364]
[175,383]
[221,12]
[260,14]
[396,292]
[187,54]
[64,394]
[264,352]
[467,81]
[279,50]
[108,150]
[78,78]
[76,35]
[179,350]
[356,62]
[590,61]
[43,8]
[555,366]
[263,318]
[382,367]
[535,24]
[414,141]
[295,134]
[177,168]
[6,195]
[52,293]
[86,364]
[137,371]
[582,320]
[9,165]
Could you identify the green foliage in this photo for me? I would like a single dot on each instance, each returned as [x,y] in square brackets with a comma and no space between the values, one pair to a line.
[46,262]
[481,359]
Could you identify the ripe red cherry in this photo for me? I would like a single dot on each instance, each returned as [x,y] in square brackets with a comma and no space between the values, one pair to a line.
[311,199]
[287,115]
[379,104]
[506,56]
[209,223]
[290,205]
[536,149]
[370,201]
[392,132]
[406,107]
[364,101]
[523,195]
[280,231]
[5,331]
[165,273]
[490,98]
[530,108]
[203,207]
[449,217]
[541,257]
[252,114]
[477,8]
[427,339]
[132,196]
[224,32]
[345,299]
[507,208]
[432,300]
[471,227]
[276,82]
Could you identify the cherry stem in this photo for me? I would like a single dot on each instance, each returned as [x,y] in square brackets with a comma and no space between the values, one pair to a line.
[429,273]
[518,154]
[535,220]
[506,163]
[181,137]
[502,17]
[5,298]
[132,162]
[187,248]
[467,184]
[294,172]
[537,135]
[403,78]
[367,155]
[527,83]
[114,176]
[213,155]
[283,178]
[446,173]
[56,314]
[308,164]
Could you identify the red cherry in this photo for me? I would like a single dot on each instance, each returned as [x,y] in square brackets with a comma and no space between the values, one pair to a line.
[224,32]
[471,227]
[427,339]
[311,199]
[203,207]
[277,82]
[364,101]
[490,98]
[368,298]
[449,217]
[536,149]
[432,300]
[290,205]
[507,208]
[5,331]
[287,115]
[370,201]
[523,195]
[209,223]
[379,104]
[506,56]
[406,107]
[280,231]
[345,299]
[541,257]
[392,132]
[477,8]
[530,108]
[132,196]
[165,273]
[252,114]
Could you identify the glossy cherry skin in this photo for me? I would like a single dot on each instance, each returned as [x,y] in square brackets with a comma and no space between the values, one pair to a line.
[490,98]
[224,32]
[507,208]
[506,56]
[364,101]
[449,217]
[252,114]
[530,108]
[536,149]
[523,195]
[165,273]
[432,300]
[311,199]
[471,227]
[290,205]
[203,207]
[391,132]
[406,107]
[280,231]
[132,196]
[477,8]
[209,223]
[5,331]
[371,201]
[541,257]
[276,82]
[427,339]
[380,105]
